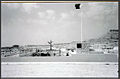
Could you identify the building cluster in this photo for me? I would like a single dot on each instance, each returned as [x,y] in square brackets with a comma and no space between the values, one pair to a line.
[10,51]
[107,44]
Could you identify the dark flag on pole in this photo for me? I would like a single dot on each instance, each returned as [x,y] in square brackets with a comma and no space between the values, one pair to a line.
[77,6]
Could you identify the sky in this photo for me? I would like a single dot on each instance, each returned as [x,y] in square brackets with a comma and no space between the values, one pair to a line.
[37,23]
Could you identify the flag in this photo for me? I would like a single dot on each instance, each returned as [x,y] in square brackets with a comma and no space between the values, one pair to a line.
[77,6]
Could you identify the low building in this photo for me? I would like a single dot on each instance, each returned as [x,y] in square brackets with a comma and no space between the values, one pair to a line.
[9,51]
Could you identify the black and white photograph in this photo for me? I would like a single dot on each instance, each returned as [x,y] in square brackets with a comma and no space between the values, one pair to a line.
[77,39]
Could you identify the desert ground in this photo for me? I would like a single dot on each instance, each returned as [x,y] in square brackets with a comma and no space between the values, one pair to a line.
[60,69]
[74,66]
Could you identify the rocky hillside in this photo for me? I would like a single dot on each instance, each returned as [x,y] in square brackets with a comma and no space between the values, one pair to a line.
[110,37]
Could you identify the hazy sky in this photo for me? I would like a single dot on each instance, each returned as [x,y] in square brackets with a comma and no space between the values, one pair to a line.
[36,23]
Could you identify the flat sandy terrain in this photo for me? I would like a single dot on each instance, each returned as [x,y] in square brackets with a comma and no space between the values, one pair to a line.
[59,69]
[92,65]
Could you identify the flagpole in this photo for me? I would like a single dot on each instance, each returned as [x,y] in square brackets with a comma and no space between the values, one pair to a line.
[81,23]
[81,26]
[78,6]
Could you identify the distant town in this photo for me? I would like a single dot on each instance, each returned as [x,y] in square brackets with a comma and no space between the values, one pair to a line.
[107,44]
